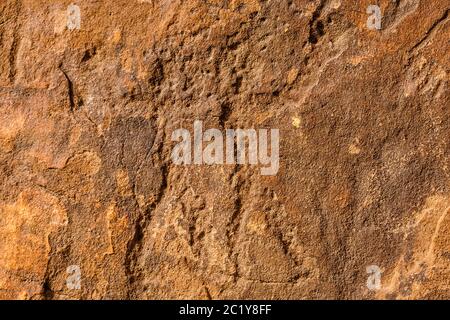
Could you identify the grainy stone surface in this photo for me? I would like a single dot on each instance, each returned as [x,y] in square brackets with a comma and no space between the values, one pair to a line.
[86,178]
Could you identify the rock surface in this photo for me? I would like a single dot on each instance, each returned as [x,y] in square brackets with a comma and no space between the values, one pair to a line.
[86,177]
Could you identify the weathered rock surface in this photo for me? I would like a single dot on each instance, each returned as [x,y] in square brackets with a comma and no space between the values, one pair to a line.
[86,178]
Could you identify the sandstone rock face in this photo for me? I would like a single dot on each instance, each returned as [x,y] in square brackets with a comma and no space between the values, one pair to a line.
[93,207]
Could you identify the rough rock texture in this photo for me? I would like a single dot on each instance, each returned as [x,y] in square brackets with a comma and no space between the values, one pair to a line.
[86,178]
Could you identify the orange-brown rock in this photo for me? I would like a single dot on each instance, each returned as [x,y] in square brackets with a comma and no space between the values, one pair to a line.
[86,177]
